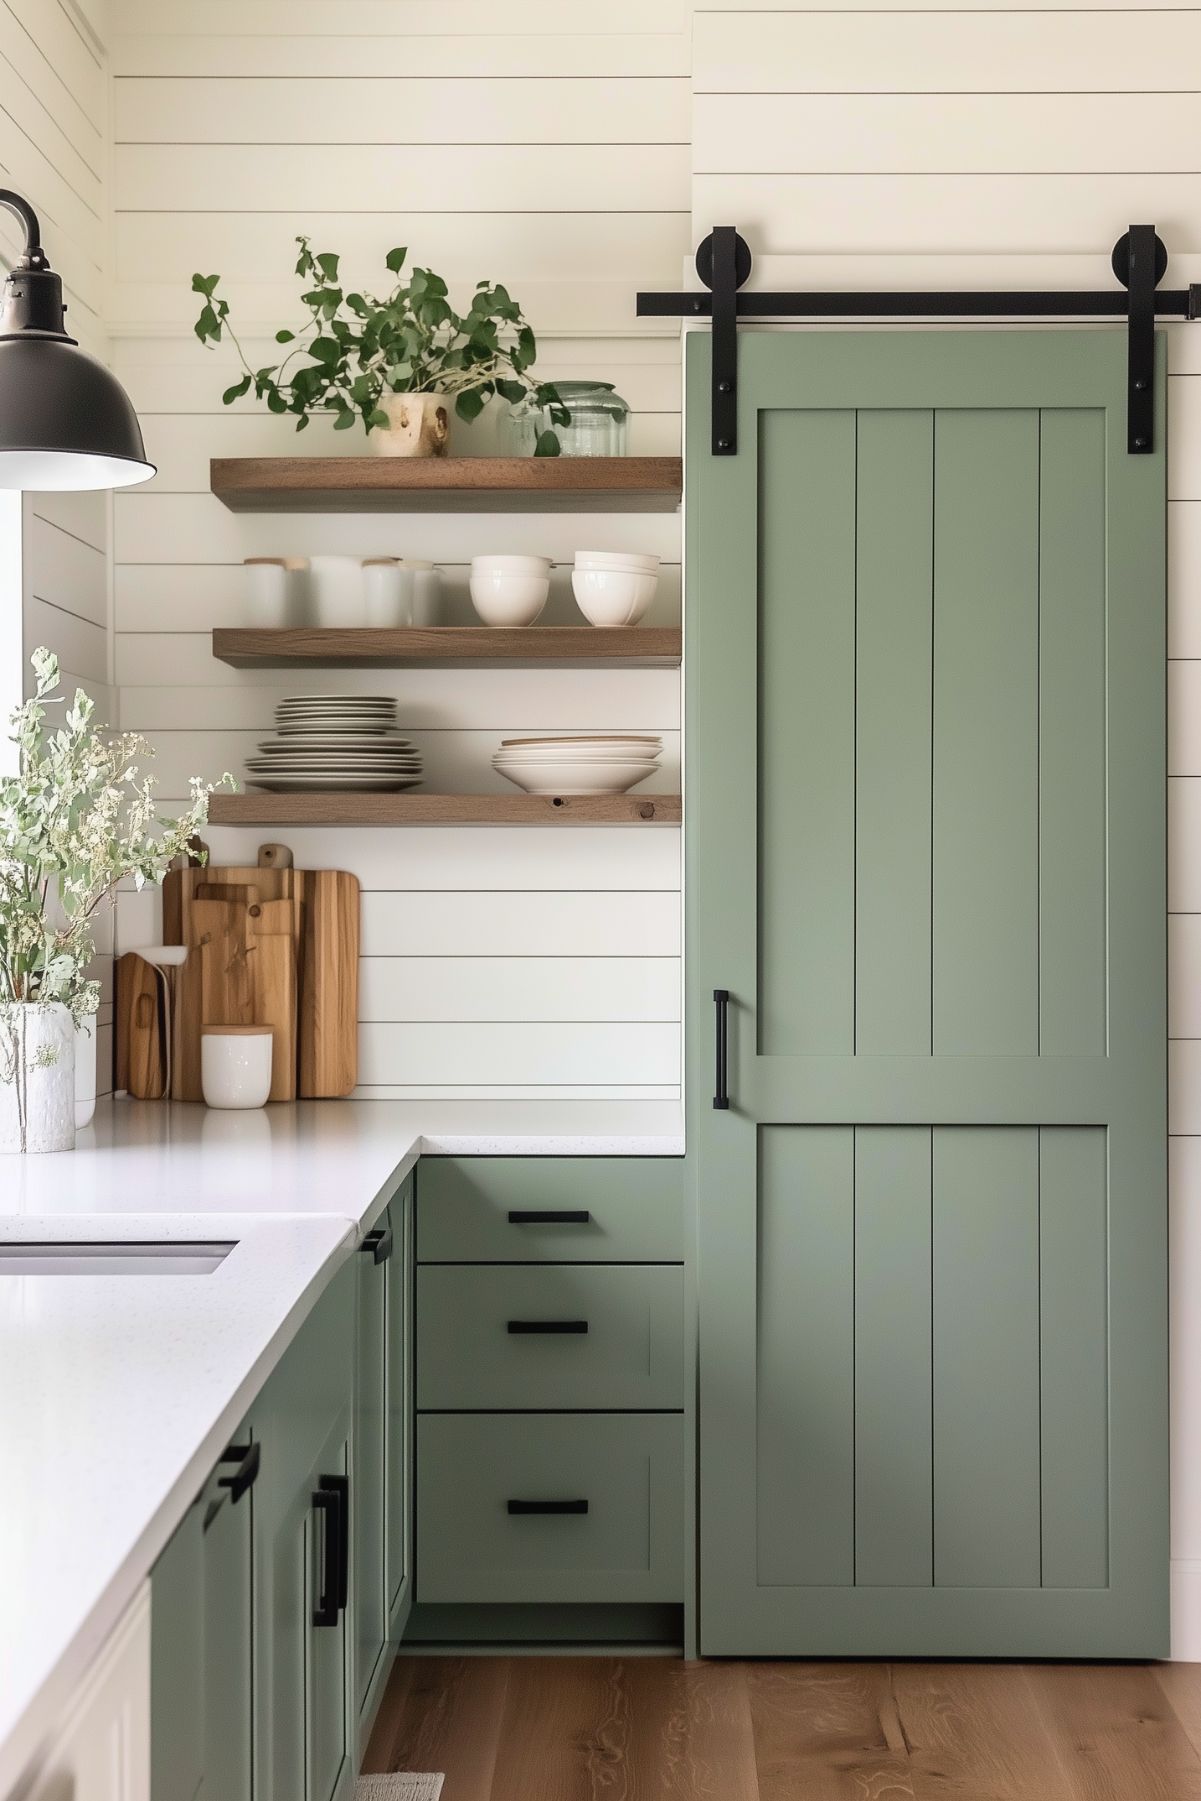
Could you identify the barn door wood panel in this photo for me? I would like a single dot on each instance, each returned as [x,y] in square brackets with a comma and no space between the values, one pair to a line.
[925,825]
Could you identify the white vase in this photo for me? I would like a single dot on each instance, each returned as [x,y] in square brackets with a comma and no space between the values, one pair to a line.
[418,426]
[85,1073]
[37,1078]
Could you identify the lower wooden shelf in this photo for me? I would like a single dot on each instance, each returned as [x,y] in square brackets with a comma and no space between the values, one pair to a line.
[444,809]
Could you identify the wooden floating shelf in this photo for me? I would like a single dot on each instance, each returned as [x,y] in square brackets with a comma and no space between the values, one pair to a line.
[361,648]
[444,809]
[448,484]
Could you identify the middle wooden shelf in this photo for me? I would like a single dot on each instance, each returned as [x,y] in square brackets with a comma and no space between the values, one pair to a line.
[364,647]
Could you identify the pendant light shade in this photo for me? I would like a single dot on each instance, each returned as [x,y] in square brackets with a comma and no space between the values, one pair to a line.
[65,420]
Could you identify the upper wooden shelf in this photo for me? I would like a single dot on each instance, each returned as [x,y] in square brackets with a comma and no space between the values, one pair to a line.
[444,809]
[636,646]
[448,484]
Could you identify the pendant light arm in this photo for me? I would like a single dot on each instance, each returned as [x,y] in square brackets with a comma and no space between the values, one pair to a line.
[35,257]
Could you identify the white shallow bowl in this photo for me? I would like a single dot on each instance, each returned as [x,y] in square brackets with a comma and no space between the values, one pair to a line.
[612,753]
[617,559]
[588,740]
[613,597]
[508,600]
[574,778]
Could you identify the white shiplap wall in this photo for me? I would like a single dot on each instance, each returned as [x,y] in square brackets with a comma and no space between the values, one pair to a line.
[965,145]
[55,140]
[541,146]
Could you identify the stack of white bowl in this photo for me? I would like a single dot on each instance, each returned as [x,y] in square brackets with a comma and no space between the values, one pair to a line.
[575,765]
[614,587]
[509,590]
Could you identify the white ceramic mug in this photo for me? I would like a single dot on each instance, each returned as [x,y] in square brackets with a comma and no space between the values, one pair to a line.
[336,593]
[427,590]
[388,592]
[235,1065]
[273,591]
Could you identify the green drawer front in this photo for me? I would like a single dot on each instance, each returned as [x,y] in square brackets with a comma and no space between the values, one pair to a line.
[634,1207]
[631,1354]
[627,1547]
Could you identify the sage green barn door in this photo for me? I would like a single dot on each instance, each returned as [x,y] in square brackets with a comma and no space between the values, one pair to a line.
[925,674]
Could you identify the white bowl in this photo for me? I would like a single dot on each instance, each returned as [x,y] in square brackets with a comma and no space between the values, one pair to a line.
[574,778]
[509,565]
[613,596]
[508,600]
[617,559]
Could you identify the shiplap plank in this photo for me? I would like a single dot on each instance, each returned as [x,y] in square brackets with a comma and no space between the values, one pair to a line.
[451,178]
[530,1091]
[67,572]
[431,923]
[521,858]
[454,761]
[599,1051]
[1184,844]
[36,115]
[84,514]
[1184,1275]
[1184,975]
[920,213]
[1184,437]
[988,133]
[926,52]
[73,65]
[79,644]
[391,110]
[1184,1086]
[174,528]
[1184,579]
[27,59]
[481,698]
[194,597]
[551,55]
[381,18]
[415,989]
[939,6]
[870,269]
[1184,718]
[66,215]
[160,250]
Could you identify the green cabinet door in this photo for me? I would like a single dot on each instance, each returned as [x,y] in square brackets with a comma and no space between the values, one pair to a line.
[925,711]
[369,1474]
[304,1643]
[399,1420]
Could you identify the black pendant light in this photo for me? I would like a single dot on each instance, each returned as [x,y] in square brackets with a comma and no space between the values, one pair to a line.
[65,420]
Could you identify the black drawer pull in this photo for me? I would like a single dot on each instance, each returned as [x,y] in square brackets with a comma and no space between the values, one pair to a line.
[379,1244]
[553,1216]
[548,1506]
[248,1458]
[332,1501]
[721,1095]
[546,1325]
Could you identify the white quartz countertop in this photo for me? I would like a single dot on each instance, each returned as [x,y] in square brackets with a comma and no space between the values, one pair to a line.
[119,1392]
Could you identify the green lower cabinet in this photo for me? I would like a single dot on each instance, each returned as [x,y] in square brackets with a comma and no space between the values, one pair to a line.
[399,1412]
[305,1742]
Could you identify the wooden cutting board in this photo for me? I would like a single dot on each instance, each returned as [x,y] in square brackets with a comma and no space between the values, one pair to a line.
[141,1057]
[273,960]
[329,984]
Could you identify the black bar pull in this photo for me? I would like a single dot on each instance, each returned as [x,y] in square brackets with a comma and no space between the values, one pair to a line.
[721,1091]
[379,1244]
[549,1216]
[546,1326]
[248,1458]
[548,1506]
[331,1500]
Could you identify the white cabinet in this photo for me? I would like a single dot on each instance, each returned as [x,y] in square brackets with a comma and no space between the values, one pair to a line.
[103,1748]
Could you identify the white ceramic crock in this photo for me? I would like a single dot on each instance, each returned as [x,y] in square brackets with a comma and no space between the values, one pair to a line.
[235,1065]
[37,1078]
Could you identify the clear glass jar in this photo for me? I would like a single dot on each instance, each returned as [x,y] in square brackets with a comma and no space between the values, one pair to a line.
[598,427]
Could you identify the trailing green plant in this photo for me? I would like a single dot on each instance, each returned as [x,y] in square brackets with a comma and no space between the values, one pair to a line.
[361,347]
[76,819]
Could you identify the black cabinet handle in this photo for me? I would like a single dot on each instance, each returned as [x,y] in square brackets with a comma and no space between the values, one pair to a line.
[331,1500]
[721,1095]
[248,1457]
[546,1325]
[548,1506]
[379,1243]
[519,1216]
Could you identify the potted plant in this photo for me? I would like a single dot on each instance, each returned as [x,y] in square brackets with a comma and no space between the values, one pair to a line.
[75,820]
[393,361]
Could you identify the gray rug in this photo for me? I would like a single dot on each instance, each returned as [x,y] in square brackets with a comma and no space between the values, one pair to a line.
[398,1788]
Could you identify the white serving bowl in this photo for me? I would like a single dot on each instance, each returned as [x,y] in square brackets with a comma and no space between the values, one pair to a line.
[592,777]
[505,599]
[511,565]
[613,596]
[617,559]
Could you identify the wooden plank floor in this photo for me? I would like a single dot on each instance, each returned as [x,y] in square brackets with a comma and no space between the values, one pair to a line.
[656,1729]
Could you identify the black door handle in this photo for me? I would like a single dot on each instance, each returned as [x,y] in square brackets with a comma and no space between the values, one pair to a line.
[248,1457]
[331,1500]
[546,1325]
[379,1243]
[548,1506]
[721,1093]
[554,1216]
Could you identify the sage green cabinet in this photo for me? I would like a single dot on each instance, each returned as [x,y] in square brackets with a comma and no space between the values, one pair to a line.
[925,711]
[399,1411]
[305,1721]
[550,1210]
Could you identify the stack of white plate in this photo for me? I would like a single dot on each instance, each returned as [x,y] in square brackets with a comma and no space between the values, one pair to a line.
[574,765]
[335,743]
